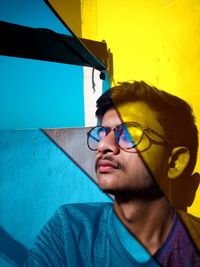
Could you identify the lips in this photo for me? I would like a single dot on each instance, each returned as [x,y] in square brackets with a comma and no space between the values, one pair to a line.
[105,166]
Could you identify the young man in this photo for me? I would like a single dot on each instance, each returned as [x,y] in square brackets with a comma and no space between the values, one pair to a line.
[146,147]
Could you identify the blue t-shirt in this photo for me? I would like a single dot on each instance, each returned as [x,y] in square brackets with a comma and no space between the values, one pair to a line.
[87,235]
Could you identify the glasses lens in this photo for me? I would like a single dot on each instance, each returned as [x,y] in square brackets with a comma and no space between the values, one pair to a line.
[95,136]
[129,136]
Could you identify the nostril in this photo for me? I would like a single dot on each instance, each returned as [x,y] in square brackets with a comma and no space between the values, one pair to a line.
[107,151]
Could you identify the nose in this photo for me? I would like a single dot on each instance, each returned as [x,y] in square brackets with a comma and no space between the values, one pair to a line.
[108,144]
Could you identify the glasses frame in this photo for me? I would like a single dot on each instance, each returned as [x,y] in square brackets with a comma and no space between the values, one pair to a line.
[115,129]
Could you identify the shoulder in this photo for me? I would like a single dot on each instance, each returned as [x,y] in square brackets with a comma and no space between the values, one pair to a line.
[181,246]
[76,219]
[68,236]
[87,206]
[84,209]
[82,213]
[192,224]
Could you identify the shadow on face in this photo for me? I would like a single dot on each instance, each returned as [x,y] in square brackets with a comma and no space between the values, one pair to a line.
[164,162]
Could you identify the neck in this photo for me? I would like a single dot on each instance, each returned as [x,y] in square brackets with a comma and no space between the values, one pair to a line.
[149,221]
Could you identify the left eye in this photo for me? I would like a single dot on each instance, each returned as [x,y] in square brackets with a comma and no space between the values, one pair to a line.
[125,140]
[101,135]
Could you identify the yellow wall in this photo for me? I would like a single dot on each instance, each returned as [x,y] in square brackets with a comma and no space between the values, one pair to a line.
[70,12]
[156,41]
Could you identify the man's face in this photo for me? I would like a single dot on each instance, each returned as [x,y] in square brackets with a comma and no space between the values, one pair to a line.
[131,170]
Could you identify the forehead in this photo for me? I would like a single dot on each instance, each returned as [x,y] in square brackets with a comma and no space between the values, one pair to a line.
[132,111]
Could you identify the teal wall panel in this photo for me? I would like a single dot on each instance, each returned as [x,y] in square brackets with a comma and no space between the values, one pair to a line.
[40,94]
[36,178]
[30,13]
[35,93]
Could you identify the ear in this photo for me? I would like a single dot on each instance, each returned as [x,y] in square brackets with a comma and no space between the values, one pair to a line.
[178,161]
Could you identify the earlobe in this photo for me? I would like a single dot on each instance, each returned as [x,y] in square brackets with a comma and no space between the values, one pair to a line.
[178,161]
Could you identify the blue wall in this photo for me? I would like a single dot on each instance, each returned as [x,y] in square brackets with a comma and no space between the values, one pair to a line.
[36,178]
[40,94]
[30,13]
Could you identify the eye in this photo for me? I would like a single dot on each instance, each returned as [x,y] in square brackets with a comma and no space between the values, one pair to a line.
[101,133]
[135,134]
[95,136]
[123,137]
[129,136]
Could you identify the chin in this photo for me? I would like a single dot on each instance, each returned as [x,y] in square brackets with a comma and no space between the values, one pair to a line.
[107,181]
[110,186]
[111,191]
[125,194]
[106,186]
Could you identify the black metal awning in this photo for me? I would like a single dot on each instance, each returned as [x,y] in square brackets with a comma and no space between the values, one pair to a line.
[45,44]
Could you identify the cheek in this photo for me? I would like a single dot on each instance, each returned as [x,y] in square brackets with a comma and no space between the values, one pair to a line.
[156,161]
[134,164]
[144,144]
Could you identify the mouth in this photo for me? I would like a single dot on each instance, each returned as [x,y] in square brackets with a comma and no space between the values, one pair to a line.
[105,166]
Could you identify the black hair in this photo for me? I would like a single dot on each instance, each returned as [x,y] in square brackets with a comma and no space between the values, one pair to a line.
[174,114]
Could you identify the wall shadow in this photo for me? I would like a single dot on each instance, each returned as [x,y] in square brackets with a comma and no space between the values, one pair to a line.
[12,250]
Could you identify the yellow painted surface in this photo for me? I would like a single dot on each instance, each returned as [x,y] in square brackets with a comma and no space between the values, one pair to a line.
[156,41]
[89,19]
[70,12]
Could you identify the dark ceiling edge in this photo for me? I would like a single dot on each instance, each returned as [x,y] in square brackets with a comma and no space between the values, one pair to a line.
[87,54]
[45,44]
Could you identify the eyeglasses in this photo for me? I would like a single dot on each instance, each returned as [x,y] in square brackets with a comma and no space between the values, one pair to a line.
[127,135]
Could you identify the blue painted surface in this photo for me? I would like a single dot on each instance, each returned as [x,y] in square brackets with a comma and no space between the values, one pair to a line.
[34,93]
[36,178]
[30,13]
[40,94]
[106,83]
